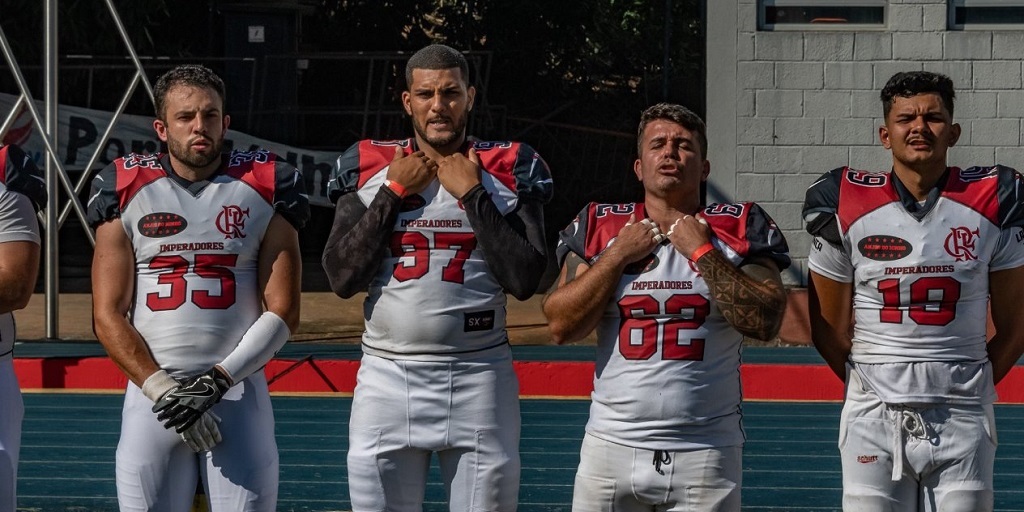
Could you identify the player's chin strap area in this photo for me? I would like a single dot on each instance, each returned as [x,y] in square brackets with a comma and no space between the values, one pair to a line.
[906,422]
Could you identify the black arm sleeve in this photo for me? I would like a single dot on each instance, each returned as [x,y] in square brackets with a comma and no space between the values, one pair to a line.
[358,239]
[513,245]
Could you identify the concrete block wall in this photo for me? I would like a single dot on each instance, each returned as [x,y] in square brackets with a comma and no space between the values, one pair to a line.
[785,106]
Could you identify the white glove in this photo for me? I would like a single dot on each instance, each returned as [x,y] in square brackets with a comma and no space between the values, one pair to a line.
[204,434]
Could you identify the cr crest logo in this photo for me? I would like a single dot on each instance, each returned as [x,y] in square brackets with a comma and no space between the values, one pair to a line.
[961,242]
[231,221]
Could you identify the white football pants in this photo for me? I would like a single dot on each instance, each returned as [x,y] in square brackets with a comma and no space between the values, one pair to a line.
[467,412]
[157,471]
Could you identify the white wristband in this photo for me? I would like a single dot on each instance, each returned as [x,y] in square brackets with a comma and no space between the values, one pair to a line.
[258,345]
[158,384]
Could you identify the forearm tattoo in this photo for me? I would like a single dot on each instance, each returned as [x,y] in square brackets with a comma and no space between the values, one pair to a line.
[751,300]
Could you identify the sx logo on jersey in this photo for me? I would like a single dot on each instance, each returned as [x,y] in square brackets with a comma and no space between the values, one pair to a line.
[231,221]
[961,242]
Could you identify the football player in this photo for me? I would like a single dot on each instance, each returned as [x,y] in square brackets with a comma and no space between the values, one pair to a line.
[22,194]
[437,228]
[671,287]
[911,259]
[191,246]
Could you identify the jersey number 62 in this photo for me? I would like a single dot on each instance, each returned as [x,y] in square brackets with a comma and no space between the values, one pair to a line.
[640,330]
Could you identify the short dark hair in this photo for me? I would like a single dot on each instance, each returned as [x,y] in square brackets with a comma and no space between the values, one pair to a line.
[911,83]
[437,56]
[677,114]
[194,75]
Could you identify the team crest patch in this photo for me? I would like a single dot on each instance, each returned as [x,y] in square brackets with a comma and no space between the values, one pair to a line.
[643,266]
[412,203]
[231,221]
[961,243]
[884,247]
[162,224]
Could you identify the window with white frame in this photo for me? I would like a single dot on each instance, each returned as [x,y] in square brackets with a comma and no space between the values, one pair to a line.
[986,14]
[820,14]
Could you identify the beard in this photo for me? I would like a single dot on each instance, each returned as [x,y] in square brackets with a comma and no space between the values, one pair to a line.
[183,152]
[441,141]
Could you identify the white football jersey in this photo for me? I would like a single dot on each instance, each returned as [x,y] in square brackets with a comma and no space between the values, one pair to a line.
[920,271]
[434,297]
[22,193]
[668,363]
[196,248]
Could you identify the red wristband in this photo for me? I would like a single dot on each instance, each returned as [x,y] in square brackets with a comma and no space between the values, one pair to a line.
[396,187]
[701,251]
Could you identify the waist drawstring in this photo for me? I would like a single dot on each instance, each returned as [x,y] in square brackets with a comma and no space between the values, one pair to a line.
[661,457]
[906,422]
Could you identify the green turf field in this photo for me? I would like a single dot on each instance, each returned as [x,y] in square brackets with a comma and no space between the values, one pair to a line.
[791,462]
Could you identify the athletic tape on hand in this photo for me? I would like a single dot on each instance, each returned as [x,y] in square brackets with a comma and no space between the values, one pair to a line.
[672,228]
[158,385]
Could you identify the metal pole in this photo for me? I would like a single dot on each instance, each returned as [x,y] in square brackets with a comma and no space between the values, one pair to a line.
[11,117]
[127,43]
[52,228]
[666,71]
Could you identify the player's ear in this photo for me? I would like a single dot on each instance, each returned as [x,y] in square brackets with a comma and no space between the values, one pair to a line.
[706,171]
[471,94]
[954,134]
[227,122]
[406,102]
[883,137]
[638,170]
[160,128]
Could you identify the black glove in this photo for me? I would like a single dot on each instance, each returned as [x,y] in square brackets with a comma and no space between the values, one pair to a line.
[184,405]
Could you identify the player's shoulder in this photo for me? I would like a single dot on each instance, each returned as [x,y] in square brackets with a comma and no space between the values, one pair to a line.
[360,161]
[132,171]
[823,194]
[605,220]
[19,173]
[748,229]
[996,191]
[258,164]
[516,165]
[276,180]
[596,225]
[371,155]
[119,182]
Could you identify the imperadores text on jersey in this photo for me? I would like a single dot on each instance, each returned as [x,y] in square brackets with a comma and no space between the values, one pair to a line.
[192,246]
[661,285]
[431,223]
[920,269]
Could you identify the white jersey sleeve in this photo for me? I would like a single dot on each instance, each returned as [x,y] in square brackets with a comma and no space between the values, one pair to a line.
[830,261]
[22,193]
